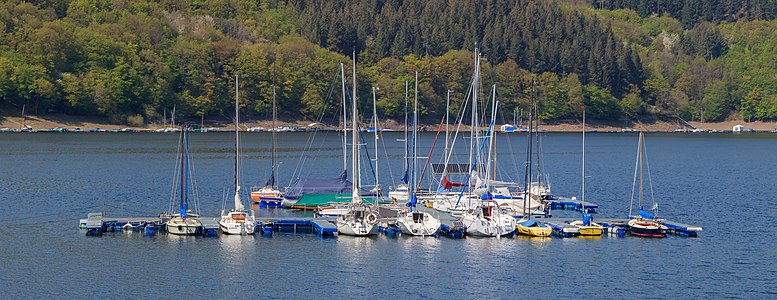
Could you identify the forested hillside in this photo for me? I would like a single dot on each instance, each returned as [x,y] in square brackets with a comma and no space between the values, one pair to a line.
[692,12]
[133,60]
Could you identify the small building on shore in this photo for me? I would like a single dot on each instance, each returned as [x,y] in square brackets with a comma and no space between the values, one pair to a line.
[738,128]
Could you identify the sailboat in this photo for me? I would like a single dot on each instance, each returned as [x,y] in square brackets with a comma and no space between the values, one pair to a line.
[485,218]
[401,192]
[359,219]
[526,225]
[237,220]
[184,223]
[645,224]
[269,195]
[413,221]
[586,226]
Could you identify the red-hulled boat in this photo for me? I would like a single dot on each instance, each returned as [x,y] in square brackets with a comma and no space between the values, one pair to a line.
[646,228]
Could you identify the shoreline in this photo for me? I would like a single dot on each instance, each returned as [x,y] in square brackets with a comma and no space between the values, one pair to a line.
[79,123]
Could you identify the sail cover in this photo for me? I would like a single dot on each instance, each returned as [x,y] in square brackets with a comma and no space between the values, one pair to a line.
[337,185]
[448,185]
[646,215]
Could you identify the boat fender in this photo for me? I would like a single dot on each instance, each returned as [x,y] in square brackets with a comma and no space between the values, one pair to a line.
[372,218]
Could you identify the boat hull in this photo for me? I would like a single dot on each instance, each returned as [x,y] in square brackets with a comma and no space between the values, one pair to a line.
[543,231]
[236,228]
[267,197]
[591,231]
[483,227]
[180,226]
[356,228]
[648,229]
[237,223]
[425,226]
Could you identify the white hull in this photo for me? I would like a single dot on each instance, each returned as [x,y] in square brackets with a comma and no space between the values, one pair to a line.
[331,213]
[398,196]
[496,225]
[237,223]
[179,226]
[288,203]
[236,228]
[426,225]
[447,202]
[359,220]
[356,228]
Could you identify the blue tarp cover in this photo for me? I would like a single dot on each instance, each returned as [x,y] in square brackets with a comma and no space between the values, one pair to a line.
[646,215]
[529,223]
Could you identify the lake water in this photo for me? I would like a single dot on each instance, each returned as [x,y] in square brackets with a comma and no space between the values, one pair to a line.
[724,183]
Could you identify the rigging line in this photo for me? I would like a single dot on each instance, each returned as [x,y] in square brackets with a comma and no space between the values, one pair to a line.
[321,115]
[462,113]
[482,144]
[174,185]
[366,151]
[431,150]
[388,162]
[512,153]
[193,181]
[650,180]
[311,138]
[634,182]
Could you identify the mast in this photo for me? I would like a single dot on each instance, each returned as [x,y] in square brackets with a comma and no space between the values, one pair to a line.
[639,158]
[491,140]
[172,118]
[24,119]
[493,132]
[415,129]
[537,140]
[447,110]
[375,131]
[473,130]
[527,193]
[407,150]
[184,171]
[238,203]
[582,200]
[355,197]
[345,120]
[274,117]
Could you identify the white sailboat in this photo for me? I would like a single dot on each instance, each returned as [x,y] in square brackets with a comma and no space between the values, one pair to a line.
[401,192]
[359,219]
[238,220]
[487,218]
[586,226]
[412,221]
[184,222]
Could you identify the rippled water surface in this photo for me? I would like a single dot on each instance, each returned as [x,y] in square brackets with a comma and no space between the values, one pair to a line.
[726,183]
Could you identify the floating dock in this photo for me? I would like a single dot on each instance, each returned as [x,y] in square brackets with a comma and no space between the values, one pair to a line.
[97,223]
[563,229]
[571,204]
